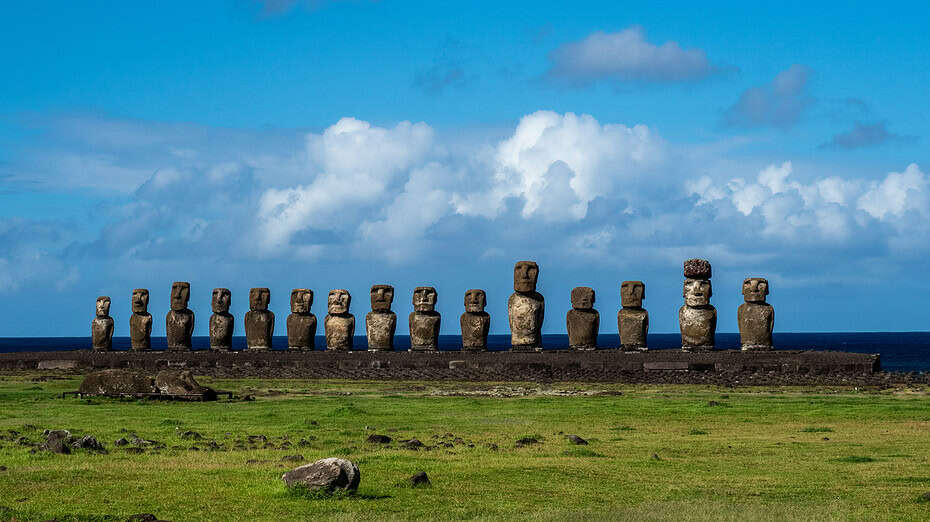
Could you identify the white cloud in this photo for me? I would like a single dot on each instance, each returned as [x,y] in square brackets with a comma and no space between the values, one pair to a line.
[898,193]
[780,103]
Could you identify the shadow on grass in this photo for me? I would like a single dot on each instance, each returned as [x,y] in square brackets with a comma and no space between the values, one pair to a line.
[854,459]
[303,493]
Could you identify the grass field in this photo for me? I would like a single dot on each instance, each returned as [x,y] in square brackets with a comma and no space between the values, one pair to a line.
[654,452]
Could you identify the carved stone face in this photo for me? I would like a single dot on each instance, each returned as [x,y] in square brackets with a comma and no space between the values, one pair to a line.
[339,301]
[103,306]
[525,274]
[259,299]
[755,289]
[301,300]
[632,294]
[180,295]
[221,300]
[475,300]
[697,292]
[424,299]
[582,298]
[140,301]
[381,298]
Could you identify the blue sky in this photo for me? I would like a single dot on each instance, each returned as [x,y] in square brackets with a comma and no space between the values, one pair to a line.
[339,144]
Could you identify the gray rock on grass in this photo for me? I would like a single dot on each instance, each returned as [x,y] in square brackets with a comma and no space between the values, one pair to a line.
[325,475]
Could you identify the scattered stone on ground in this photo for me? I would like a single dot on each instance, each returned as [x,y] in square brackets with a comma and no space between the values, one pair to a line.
[413,444]
[419,479]
[144,517]
[2,468]
[378,439]
[491,446]
[89,442]
[925,496]
[57,441]
[655,456]
[293,458]
[174,382]
[325,475]
[575,439]
[191,435]
[526,441]
[713,403]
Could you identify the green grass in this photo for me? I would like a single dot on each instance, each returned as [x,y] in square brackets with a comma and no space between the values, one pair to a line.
[762,457]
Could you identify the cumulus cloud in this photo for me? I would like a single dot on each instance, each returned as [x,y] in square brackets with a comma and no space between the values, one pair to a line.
[866,135]
[780,103]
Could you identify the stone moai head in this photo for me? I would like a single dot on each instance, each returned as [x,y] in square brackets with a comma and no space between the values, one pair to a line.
[381,298]
[339,301]
[103,306]
[180,295]
[424,299]
[221,300]
[632,294]
[301,300]
[582,298]
[259,299]
[755,289]
[140,301]
[525,275]
[697,292]
[475,300]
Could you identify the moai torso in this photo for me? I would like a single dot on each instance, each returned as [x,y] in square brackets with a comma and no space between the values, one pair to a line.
[526,309]
[381,322]
[475,322]
[221,322]
[756,317]
[179,323]
[101,328]
[339,323]
[140,323]
[632,319]
[259,321]
[424,320]
[582,321]
[301,324]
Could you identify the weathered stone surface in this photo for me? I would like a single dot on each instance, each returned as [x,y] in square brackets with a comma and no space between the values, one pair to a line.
[632,319]
[174,382]
[424,320]
[475,322]
[221,322]
[90,443]
[756,317]
[57,441]
[582,321]
[301,324]
[325,475]
[339,323]
[259,321]
[697,319]
[375,438]
[179,323]
[697,269]
[419,480]
[101,328]
[140,324]
[115,382]
[526,308]
[575,439]
[381,322]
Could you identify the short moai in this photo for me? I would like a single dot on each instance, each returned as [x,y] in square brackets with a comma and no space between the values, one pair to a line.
[301,324]
[339,323]
[697,319]
[582,321]
[632,319]
[756,317]
[101,328]
[424,321]
[475,322]
[381,322]
[526,309]
[179,323]
[259,320]
[221,322]
[140,323]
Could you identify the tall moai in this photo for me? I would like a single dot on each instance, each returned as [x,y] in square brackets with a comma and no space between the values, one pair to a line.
[381,322]
[582,321]
[756,317]
[475,322]
[339,323]
[179,323]
[101,328]
[301,324]
[424,320]
[140,323]
[697,318]
[526,309]
[259,320]
[632,319]
[221,322]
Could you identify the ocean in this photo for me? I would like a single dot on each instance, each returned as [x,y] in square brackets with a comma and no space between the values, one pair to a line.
[900,351]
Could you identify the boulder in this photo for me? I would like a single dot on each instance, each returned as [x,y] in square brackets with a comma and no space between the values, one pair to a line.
[116,382]
[174,382]
[325,474]
[575,439]
[57,441]
[418,480]
[378,439]
[89,442]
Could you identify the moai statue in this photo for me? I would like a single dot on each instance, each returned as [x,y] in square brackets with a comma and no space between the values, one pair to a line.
[381,322]
[179,323]
[140,324]
[424,320]
[632,319]
[582,321]
[101,328]
[526,309]
[339,323]
[756,317]
[259,321]
[221,322]
[697,318]
[301,324]
[475,322]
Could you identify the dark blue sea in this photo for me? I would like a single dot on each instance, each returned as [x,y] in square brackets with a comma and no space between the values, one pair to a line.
[900,351]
